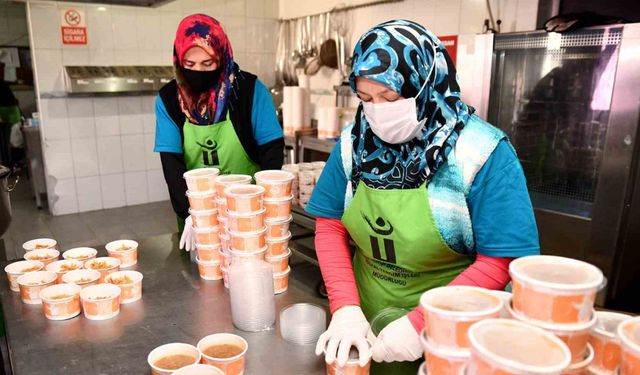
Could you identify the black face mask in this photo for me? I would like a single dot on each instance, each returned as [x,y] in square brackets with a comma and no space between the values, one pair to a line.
[200,81]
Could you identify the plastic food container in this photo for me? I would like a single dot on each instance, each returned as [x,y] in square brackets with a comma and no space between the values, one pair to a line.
[202,200]
[199,369]
[306,178]
[581,367]
[248,241]
[224,226]
[629,333]
[204,219]
[245,222]
[45,256]
[278,208]
[104,265]
[247,256]
[40,243]
[208,253]
[278,245]
[318,165]
[278,227]
[207,236]
[302,323]
[277,184]
[423,369]
[224,342]
[175,356]
[224,181]
[384,317]
[506,300]
[280,263]
[124,250]
[222,208]
[100,302]
[441,361]
[80,253]
[281,281]
[605,342]
[32,283]
[61,267]
[225,275]
[130,284]
[225,242]
[352,367]
[60,302]
[209,270]
[201,179]
[244,198]
[19,268]
[449,312]
[82,278]
[554,289]
[509,347]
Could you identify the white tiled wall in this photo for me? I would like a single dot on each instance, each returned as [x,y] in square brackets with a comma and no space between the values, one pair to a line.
[99,151]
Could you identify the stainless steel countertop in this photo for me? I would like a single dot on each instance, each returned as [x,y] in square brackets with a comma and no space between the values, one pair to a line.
[176,306]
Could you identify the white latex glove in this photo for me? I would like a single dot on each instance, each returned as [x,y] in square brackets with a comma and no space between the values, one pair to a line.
[397,342]
[188,238]
[348,328]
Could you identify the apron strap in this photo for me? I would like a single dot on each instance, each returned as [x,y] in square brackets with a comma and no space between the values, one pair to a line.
[346,147]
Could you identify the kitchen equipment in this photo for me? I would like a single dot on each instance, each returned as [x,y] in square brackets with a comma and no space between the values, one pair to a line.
[302,323]
[116,79]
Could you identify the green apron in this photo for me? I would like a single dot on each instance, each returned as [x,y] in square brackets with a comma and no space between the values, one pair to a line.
[400,254]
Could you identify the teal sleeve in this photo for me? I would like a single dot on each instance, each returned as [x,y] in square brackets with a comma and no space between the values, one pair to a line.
[501,212]
[168,138]
[264,118]
[327,199]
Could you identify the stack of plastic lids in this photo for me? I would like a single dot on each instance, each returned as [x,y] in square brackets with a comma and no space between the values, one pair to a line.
[253,306]
[302,323]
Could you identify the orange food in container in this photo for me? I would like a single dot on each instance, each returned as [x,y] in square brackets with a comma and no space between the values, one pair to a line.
[605,342]
[247,256]
[281,281]
[167,359]
[248,241]
[278,208]
[278,245]
[244,198]
[276,183]
[80,253]
[449,312]
[208,253]
[199,369]
[352,367]
[201,179]
[40,243]
[224,181]
[581,367]
[245,222]
[510,347]
[19,268]
[130,284]
[629,333]
[440,361]
[554,289]
[278,227]
[100,302]
[209,270]
[124,250]
[32,283]
[204,219]
[202,200]
[207,236]
[45,256]
[280,263]
[61,267]
[104,265]
[61,302]
[232,344]
[222,209]
[82,278]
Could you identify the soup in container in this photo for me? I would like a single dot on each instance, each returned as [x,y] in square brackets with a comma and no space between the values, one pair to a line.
[554,289]
[204,219]
[510,347]
[130,284]
[248,241]
[168,358]
[244,198]
[278,227]
[32,283]
[245,222]
[277,245]
[201,179]
[247,256]
[605,341]
[581,367]
[82,254]
[278,208]
[40,243]
[209,270]
[61,267]
[124,250]
[276,183]
[83,278]
[629,333]
[199,369]
[280,263]
[202,200]
[440,361]
[449,312]
[45,256]
[208,252]
[224,181]
[16,269]
[207,236]
[352,367]
[104,265]
[281,281]
[61,302]
[224,351]
[100,302]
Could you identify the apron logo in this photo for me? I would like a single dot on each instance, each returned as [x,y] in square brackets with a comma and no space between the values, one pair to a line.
[380,227]
[209,153]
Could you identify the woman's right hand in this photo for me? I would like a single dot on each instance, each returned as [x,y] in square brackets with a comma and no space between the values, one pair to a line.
[188,238]
[348,328]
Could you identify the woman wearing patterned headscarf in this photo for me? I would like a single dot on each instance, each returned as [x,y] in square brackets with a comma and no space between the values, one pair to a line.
[212,115]
[431,195]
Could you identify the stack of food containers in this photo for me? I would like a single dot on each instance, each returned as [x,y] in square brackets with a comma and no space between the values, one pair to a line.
[306,182]
[605,343]
[294,169]
[629,334]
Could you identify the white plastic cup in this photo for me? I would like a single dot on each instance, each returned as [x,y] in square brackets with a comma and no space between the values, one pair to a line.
[61,301]
[40,243]
[83,278]
[277,183]
[45,256]
[169,350]
[124,250]
[32,283]
[80,253]
[130,284]
[60,267]
[100,302]
[112,265]
[224,181]
[201,179]
[16,269]
[253,306]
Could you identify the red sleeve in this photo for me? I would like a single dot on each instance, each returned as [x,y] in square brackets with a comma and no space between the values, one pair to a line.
[486,272]
[334,256]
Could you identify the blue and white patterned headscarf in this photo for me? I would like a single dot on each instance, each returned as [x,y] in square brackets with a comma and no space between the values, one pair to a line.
[400,54]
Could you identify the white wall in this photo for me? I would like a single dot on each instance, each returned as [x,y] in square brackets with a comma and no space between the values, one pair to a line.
[13,25]
[99,151]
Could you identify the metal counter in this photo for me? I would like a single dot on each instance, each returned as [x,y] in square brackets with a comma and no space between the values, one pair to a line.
[176,306]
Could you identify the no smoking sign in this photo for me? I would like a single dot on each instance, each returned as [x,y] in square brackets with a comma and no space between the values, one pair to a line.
[72,26]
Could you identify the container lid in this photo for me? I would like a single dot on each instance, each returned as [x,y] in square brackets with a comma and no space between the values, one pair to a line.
[201,172]
[206,193]
[279,221]
[274,176]
[464,301]
[287,254]
[608,322]
[246,214]
[285,199]
[248,234]
[21,265]
[229,179]
[243,190]
[556,272]
[628,331]
[279,239]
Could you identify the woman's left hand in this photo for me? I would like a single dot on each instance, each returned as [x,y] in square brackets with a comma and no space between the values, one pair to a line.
[397,342]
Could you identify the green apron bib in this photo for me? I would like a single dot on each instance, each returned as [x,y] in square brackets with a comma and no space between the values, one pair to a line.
[400,254]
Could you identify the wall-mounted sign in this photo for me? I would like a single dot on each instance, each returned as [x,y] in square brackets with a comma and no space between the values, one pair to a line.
[73,26]
[451,43]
